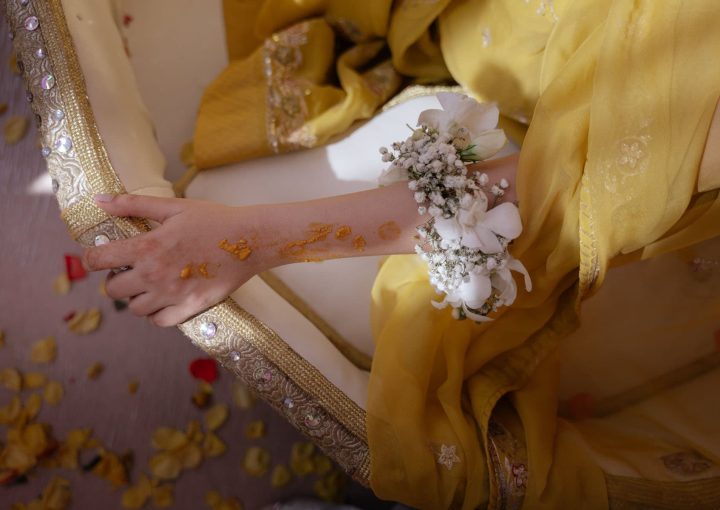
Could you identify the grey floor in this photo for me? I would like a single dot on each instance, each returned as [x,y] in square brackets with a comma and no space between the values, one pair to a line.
[33,241]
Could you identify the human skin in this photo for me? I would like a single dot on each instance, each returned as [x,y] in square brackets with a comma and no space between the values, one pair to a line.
[193,233]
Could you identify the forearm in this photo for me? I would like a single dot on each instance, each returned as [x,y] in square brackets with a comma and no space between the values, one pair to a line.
[381,221]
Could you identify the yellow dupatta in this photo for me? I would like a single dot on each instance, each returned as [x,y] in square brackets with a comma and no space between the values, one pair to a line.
[608,166]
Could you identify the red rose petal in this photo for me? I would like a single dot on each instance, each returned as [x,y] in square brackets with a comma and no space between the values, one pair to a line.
[127,19]
[204,369]
[74,267]
[69,316]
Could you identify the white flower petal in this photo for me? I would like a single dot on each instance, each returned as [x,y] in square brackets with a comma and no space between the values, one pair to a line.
[503,281]
[504,219]
[434,119]
[518,266]
[482,238]
[448,229]
[484,117]
[451,102]
[488,143]
[475,291]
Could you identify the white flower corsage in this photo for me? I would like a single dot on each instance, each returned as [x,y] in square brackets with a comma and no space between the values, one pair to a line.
[465,242]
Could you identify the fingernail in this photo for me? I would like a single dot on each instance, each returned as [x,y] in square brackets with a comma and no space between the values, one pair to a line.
[103,198]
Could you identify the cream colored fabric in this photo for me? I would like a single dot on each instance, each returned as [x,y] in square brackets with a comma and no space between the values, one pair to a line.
[124,122]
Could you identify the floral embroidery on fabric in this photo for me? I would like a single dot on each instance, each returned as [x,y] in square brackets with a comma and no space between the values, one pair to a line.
[520,474]
[686,463]
[447,456]
[286,107]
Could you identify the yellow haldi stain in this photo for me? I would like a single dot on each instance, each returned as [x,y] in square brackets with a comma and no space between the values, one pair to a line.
[239,250]
[203,270]
[317,232]
[389,231]
[186,272]
[343,232]
[359,243]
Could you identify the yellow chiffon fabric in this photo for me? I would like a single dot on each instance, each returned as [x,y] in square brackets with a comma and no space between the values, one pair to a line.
[619,97]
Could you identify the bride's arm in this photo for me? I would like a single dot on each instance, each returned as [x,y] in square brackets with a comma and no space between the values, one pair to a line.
[202,251]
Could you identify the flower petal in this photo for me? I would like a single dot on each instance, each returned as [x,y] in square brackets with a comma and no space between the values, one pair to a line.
[504,220]
[518,266]
[503,281]
[481,237]
[434,119]
[475,291]
[448,229]
[488,143]
[451,102]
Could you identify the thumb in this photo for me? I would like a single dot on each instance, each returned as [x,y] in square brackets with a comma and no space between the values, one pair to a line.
[151,208]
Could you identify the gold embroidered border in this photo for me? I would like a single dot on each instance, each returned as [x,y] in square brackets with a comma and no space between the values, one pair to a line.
[240,336]
[589,257]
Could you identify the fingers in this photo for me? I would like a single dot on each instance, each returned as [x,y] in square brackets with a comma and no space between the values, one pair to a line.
[123,285]
[170,316]
[152,208]
[145,305]
[112,255]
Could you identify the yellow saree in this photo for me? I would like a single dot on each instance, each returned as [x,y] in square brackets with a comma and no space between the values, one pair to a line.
[619,97]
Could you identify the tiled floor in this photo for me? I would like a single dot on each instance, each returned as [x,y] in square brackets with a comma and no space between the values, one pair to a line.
[32,243]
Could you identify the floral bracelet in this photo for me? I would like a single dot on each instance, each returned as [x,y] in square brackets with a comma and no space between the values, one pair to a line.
[465,241]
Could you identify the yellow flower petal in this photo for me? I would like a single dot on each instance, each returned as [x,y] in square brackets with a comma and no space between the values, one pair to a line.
[190,455]
[34,380]
[10,412]
[321,464]
[95,370]
[166,438]
[44,351]
[280,476]
[137,495]
[256,461]
[35,438]
[302,466]
[11,379]
[162,495]
[242,396]
[85,321]
[53,392]
[57,495]
[193,431]
[216,416]
[330,488]
[213,445]
[165,466]
[61,284]
[33,405]
[17,457]
[255,429]
[15,129]
[111,468]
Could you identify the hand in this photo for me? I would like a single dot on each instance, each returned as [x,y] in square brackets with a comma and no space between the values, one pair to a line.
[193,260]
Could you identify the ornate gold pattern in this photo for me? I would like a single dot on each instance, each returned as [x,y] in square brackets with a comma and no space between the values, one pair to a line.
[508,457]
[244,344]
[286,107]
